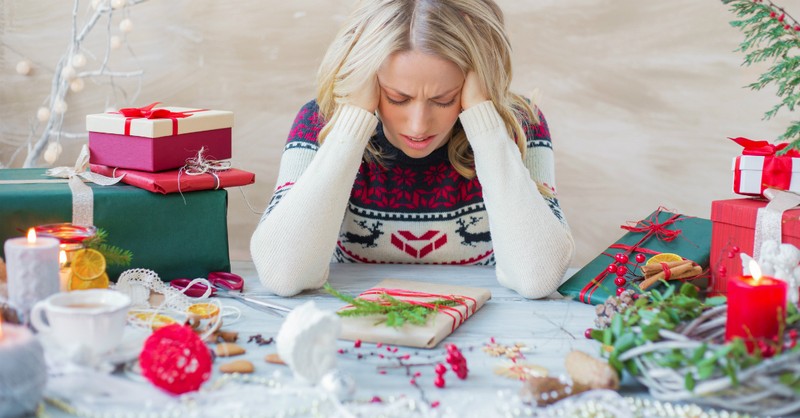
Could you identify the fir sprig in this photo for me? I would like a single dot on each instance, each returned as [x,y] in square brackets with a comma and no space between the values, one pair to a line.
[114,255]
[771,34]
[395,312]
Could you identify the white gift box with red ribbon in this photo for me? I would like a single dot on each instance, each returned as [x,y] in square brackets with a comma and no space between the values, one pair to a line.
[759,168]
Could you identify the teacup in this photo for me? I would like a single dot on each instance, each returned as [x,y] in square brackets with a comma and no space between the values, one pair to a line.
[91,319]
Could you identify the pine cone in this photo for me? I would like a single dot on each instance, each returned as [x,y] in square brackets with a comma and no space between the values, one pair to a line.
[606,311]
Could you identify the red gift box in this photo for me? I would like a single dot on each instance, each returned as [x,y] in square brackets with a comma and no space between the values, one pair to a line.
[157,139]
[170,181]
[733,227]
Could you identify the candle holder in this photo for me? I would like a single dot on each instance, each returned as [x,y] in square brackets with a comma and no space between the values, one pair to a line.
[71,237]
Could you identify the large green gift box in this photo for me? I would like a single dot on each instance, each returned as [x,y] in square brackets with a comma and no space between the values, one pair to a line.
[173,235]
[661,232]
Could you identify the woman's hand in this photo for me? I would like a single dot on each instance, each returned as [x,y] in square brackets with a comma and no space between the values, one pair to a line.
[368,96]
[472,93]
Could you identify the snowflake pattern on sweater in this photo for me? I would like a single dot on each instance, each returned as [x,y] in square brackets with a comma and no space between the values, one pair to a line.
[409,210]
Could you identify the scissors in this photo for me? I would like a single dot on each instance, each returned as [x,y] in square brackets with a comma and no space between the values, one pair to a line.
[227,285]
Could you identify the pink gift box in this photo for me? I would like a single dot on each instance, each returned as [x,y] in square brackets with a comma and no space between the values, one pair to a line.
[158,139]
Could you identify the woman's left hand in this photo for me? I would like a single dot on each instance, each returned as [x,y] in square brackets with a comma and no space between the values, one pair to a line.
[472,92]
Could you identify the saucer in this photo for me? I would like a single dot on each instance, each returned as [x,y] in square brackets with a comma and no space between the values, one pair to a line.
[129,348]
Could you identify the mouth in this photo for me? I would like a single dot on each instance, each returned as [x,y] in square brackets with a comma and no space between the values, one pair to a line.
[418,142]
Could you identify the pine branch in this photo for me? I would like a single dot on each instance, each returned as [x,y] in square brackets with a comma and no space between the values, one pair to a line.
[114,255]
[395,311]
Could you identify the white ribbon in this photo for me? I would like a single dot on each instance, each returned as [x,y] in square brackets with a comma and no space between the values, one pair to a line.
[82,195]
[769,219]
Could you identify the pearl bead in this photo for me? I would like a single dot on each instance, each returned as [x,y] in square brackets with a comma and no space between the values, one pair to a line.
[42,114]
[76,85]
[24,67]
[126,25]
[60,107]
[78,60]
[52,152]
[115,42]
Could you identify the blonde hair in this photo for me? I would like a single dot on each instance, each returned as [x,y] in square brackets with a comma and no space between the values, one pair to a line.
[470,33]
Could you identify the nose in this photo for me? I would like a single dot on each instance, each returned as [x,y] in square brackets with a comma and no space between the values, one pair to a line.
[419,120]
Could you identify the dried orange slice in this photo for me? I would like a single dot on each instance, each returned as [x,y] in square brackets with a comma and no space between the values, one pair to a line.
[88,264]
[203,310]
[156,321]
[664,258]
[77,283]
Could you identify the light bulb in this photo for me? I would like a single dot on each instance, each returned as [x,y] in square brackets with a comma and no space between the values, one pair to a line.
[118,4]
[52,152]
[76,85]
[115,42]
[68,72]
[60,107]
[78,60]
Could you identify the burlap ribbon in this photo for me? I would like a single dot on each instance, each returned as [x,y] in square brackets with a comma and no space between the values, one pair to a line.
[769,219]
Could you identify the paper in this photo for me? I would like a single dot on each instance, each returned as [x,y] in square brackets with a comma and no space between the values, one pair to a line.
[438,327]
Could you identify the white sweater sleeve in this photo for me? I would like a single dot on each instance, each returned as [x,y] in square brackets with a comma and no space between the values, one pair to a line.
[533,248]
[293,243]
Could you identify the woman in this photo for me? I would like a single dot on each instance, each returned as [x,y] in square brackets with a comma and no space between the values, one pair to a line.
[413,151]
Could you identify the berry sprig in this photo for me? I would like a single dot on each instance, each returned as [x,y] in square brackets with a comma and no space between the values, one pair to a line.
[620,268]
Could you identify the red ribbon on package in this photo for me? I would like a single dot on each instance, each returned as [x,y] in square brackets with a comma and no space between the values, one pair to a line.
[651,227]
[450,311]
[776,171]
[147,112]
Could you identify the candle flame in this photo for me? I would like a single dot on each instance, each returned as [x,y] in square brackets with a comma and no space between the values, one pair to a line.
[755,271]
[62,257]
[31,236]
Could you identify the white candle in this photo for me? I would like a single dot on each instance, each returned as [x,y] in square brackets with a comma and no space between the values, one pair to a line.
[32,267]
[23,372]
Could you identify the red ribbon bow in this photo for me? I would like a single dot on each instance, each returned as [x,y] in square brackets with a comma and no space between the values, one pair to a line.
[765,148]
[147,112]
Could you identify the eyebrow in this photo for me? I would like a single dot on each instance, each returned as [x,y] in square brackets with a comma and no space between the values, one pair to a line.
[437,97]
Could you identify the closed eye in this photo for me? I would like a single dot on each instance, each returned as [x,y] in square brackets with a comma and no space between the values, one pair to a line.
[448,104]
[396,102]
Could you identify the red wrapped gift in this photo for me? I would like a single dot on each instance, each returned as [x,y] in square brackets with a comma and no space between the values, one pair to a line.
[733,233]
[759,168]
[175,181]
[157,139]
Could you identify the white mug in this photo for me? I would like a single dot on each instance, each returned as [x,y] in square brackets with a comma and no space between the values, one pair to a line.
[91,319]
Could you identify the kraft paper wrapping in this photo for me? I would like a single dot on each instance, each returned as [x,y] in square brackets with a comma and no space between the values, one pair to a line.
[438,327]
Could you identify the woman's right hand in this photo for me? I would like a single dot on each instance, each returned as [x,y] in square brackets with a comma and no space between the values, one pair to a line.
[368,96]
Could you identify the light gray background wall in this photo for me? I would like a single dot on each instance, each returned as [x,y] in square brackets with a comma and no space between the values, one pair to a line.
[640,96]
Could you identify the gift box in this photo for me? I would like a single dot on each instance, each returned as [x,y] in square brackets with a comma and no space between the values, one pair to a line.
[660,232]
[760,168]
[734,229]
[172,235]
[438,326]
[175,181]
[158,139]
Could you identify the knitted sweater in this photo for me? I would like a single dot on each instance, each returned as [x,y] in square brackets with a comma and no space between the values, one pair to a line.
[329,202]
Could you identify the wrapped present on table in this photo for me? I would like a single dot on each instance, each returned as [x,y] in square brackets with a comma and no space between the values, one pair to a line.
[157,139]
[740,226]
[179,181]
[760,168]
[171,235]
[618,266]
[438,327]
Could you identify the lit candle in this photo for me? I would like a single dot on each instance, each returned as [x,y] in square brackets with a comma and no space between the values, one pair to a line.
[63,271]
[756,307]
[23,372]
[32,267]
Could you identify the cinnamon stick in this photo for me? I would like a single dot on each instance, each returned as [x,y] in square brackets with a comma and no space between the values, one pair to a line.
[679,272]
[650,269]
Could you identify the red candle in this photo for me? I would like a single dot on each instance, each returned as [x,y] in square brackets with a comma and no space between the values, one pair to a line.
[756,307]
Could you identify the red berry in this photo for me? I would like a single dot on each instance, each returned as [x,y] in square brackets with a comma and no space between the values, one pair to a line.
[772,14]
[438,381]
[449,358]
[456,367]
[440,369]
[413,381]
[735,249]
[588,333]
[435,404]
[376,399]
[622,270]
[379,345]
[731,254]
[417,374]
[612,268]
[621,257]
[620,281]
[797,28]
[640,258]
[721,269]
[780,19]
[793,334]
[357,344]
[620,290]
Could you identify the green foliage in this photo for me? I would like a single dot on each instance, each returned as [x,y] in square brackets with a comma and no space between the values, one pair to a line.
[395,312]
[641,323]
[114,255]
[771,35]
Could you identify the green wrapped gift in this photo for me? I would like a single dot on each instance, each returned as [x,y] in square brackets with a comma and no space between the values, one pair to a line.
[661,232]
[173,237]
